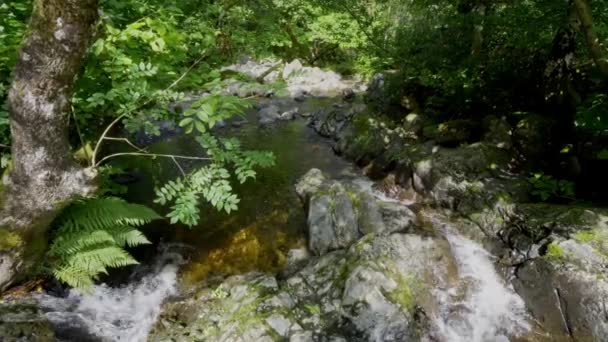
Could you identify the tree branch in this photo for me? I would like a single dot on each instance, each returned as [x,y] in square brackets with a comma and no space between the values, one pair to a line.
[152,155]
[107,130]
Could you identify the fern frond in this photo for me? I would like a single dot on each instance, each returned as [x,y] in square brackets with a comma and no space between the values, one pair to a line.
[77,241]
[91,235]
[105,212]
[128,236]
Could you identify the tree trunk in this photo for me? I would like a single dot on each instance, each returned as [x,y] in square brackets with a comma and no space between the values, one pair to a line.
[477,44]
[44,178]
[583,9]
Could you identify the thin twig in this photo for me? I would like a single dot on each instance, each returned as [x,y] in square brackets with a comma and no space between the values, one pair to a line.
[103,136]
[107,130]
[152,155]
[179,166]
[5,146]
[128,142]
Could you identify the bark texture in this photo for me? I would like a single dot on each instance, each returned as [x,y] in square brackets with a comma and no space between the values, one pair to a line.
[583,10]
[44,177]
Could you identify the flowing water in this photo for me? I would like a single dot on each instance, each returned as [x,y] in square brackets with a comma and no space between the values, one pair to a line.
[125,313]
[479,307]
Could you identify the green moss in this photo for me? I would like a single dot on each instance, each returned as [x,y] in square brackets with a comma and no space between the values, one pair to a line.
[555,252]
[586,236]
[9,240]
[354,198]
[403,294]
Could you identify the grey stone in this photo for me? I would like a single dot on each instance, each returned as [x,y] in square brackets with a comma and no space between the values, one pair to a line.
[397,217]
[331,221]
[292,68]
[302,336]
[290,114]
[369,215]
[279,324]
[296,260]
[309,184]
[269,115]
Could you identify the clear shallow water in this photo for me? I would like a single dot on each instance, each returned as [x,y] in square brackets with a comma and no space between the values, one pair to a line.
[479,307]
[270,220]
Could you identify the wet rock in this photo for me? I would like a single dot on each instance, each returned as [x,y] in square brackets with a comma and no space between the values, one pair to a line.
[269,115]
[309,184]
[296,260]
[23,321]
[299,95]
[332,220]
[376,88]
[348,95]
[290,114]
[239,123]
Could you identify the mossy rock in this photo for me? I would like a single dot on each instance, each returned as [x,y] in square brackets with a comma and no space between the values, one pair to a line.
[24,322]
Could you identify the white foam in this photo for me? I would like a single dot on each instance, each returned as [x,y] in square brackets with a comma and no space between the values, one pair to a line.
[483,307]
[115,314]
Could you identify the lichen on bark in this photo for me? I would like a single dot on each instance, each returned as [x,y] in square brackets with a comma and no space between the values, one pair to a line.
[44,178]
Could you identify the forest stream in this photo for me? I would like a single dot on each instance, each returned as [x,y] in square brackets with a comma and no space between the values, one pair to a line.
[303,171]
[472,300]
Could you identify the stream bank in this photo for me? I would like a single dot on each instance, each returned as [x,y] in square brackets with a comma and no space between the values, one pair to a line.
[443,245]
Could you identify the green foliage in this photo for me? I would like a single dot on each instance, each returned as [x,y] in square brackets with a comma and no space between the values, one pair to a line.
[91,235]
[209,110]
[546,187]
[592,114]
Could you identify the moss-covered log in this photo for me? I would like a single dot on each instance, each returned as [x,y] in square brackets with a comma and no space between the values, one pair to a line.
[43,178]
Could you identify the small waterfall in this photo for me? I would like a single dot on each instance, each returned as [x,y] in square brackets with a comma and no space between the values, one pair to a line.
[115,314]
[483,307]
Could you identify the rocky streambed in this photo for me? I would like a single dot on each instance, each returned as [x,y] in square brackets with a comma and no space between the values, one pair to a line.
[433,238]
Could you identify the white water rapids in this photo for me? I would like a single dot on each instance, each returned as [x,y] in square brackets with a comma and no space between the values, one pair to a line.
[115,314]
[479,307]
[482,307]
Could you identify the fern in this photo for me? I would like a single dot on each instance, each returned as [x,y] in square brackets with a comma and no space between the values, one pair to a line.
[91,236]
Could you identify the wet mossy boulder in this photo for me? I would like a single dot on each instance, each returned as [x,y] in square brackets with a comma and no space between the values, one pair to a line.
[564,282]
[339,213]
[23,321]
[380,289]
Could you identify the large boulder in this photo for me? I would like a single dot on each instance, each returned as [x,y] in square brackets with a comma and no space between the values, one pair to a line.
[332,221]
[380,289]
[341,212]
